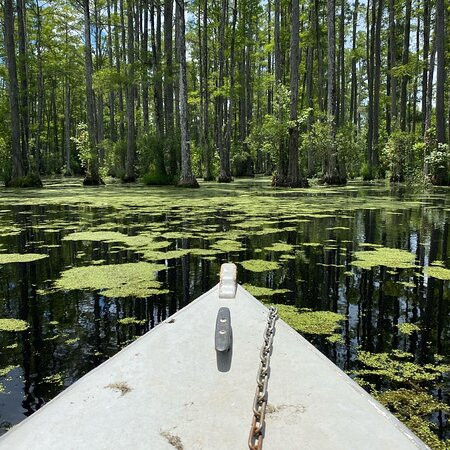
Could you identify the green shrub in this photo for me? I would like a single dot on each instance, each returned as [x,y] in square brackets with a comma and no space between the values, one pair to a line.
[157,179]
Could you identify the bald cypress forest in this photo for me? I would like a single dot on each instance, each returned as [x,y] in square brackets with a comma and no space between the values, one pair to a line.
[171,92]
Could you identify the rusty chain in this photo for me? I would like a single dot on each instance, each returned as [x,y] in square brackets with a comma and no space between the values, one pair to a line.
[260,402]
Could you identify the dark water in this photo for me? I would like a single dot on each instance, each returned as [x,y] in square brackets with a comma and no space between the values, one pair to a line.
[71,332]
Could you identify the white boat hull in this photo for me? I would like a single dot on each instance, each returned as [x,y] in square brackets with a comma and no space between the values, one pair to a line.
[179,398]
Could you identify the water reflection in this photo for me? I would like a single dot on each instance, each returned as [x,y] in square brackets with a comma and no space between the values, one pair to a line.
[72,332]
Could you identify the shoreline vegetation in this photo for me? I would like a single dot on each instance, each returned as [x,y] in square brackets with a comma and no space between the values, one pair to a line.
[172,92]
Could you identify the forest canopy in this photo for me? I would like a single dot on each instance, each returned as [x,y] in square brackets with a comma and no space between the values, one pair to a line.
[171,91]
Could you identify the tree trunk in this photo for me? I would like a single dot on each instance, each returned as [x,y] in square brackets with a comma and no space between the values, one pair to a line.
[393,62]
[426,50]
[17,169]
[168,86]
[354,86]
[320,95]
[92,171]
[130,175]
[377,87]
[23,77]
[293,176]
[441,176]
[40,90]
[205,104]
[68,170]
[157,87]
[224,177]
[187,178]
[370,81]
[309,95]
[225,166]
[111,98]
[279,178]
[342,64]
[332,173]
[405,58]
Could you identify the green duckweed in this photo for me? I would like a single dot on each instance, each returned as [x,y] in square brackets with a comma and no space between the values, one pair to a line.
[260,291]
[310,322]
[56,379]
[6,370]
[227,245]
[396,367]
[132,321]
[259,265]
[384,256]
[412,406]
[434,271]
[13,325]
[407,328]
[280,247]
[113,280]
[11,258]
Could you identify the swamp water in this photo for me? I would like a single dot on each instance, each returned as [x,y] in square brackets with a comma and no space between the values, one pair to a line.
[361,271]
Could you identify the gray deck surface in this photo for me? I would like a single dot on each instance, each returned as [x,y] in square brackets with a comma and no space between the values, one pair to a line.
[178,393]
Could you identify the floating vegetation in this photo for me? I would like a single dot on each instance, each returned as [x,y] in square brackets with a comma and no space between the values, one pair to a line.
[227,245]
[396,366]
[335,339]
[311,322]
[11,258]
[56,379]
[384,256]
[260,291]
[132,321]
[72,341]
[412,406]
[407,328]
[154,255]
[287,256]
[280,247]
[114,280]
[312,244]
[13,325]
[433,271]
[259,265]
[6,370]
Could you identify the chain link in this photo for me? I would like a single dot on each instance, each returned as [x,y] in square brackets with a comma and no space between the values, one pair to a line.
[260,402]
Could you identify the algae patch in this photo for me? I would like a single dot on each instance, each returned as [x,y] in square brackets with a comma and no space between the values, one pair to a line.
[407,328]
[13,325]
[311,322]
[280,247]
[260,291]
[113,280]
[435,272]
[259,265]
[132,321]
[11,258]
[384,256]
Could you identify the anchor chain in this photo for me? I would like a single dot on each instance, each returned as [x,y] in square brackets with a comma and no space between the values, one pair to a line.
[260,402]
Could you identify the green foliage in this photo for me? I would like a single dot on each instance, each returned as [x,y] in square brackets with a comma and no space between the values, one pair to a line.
[310,322]
[399,156]
[82,145]
[153,178]
[268,135]
[4,160]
